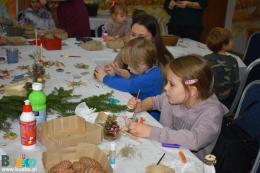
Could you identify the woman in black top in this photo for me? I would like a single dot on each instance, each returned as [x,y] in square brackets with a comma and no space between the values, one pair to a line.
[186,17]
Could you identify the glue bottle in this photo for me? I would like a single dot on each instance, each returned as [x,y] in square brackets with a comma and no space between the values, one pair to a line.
[112,155]
[27,127]
[38,102]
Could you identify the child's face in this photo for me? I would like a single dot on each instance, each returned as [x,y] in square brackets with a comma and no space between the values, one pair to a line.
[140,31]
[119,17]
[174,89]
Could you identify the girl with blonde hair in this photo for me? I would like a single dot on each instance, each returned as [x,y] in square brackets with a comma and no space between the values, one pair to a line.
[145,74]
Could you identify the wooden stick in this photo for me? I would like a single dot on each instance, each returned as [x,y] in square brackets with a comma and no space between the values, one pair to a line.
[41,51]
[36,42]
[134,115]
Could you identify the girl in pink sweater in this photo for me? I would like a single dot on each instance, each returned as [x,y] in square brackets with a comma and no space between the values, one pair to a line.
[190,113]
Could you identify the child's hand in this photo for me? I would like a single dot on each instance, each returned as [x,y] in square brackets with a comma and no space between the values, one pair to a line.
[126,38]
[109,69]
[99,74]
[138,129]
[121,72]
[135,103]
[172,4]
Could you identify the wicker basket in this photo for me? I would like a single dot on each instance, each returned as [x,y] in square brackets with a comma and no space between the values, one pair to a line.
[170,40]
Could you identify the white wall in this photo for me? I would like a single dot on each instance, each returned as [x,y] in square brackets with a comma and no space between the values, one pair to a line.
[239,43]
[229,13]
[241,32]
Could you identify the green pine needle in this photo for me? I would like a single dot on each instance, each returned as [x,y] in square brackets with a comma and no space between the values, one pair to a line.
[58,101]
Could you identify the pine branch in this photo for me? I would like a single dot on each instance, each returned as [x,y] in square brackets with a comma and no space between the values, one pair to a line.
[101,103]
[10,108]
[59,101]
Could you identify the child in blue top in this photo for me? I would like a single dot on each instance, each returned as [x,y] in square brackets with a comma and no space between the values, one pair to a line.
[145,74]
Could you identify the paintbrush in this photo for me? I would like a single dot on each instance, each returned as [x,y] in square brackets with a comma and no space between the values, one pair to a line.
[160,159]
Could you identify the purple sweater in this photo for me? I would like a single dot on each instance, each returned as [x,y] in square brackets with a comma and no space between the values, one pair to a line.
[196,129]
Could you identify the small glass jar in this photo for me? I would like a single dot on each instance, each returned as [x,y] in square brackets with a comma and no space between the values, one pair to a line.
[12,55]
[209,162]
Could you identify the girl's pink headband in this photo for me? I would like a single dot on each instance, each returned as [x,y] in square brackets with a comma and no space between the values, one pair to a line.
[191,81]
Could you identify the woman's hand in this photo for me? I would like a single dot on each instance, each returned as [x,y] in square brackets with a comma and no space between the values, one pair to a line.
[99,73]
[172,4]
[183,4]
[138,129]
[43,2]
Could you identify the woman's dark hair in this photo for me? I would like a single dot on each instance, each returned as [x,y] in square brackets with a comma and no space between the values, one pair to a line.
[151,24]
[137,13]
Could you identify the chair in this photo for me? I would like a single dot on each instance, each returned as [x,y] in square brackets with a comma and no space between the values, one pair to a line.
[252,51]
[241,136]
[251,73]
[99,31]
[256,168]
[250,100]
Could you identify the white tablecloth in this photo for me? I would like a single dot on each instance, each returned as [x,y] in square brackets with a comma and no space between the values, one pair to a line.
[183,47]
[148,152]
[188,46]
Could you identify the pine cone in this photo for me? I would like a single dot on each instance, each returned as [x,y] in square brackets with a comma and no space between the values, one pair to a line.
[111,126]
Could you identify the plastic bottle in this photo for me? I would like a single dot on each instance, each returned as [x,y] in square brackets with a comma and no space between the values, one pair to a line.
[112,155]
[209,162]
[27,127]
[38,102]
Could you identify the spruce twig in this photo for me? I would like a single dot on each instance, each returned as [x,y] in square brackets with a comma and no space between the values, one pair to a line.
[101,103]
[59,101]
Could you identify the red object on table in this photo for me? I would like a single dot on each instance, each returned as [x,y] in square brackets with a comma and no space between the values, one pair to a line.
[52,44]
[182,156]
[48,43]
